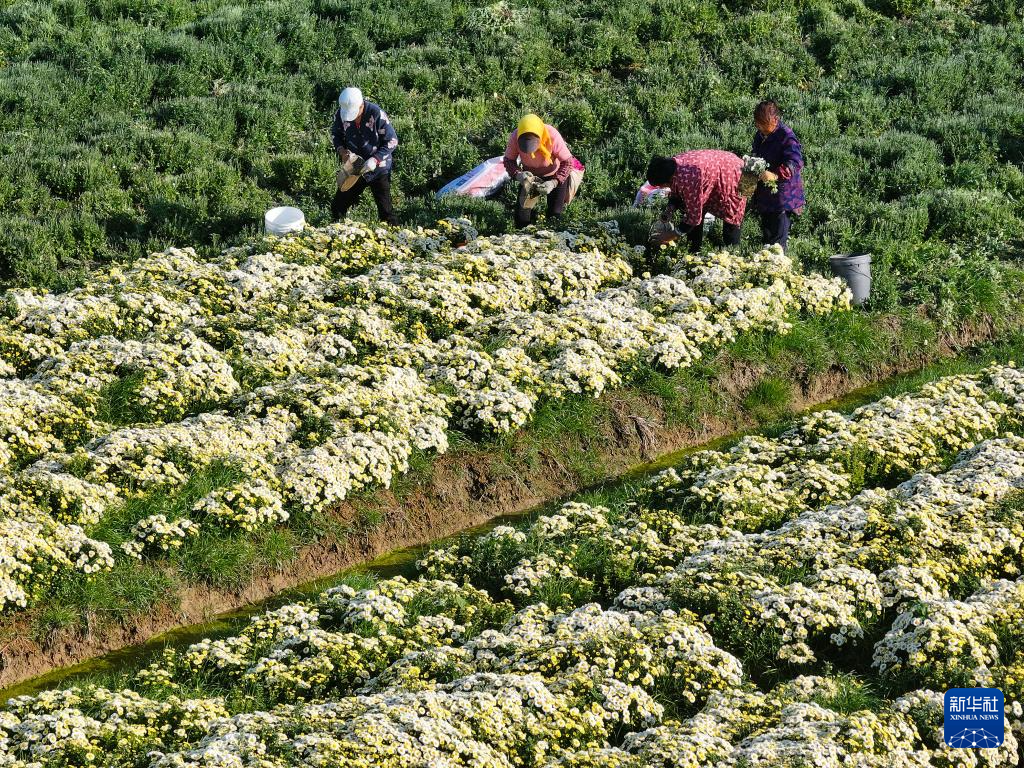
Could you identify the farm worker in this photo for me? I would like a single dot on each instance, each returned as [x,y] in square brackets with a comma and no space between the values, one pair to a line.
[538,158]
[775,142]
[365,141]
[704,181]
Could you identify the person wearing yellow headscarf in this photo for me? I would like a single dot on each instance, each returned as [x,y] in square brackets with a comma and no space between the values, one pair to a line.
[539,159]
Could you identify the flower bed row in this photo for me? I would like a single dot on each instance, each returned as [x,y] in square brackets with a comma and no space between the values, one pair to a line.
[651,634]
[316,365]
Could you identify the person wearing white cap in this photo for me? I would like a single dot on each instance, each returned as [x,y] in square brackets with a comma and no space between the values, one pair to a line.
[365,141]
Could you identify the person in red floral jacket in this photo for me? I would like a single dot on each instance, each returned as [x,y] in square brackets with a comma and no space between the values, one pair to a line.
[704,181]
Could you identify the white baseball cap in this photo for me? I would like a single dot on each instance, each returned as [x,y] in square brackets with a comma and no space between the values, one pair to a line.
[349,102]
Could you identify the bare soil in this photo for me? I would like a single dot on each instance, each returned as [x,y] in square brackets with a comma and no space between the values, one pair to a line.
[462,489]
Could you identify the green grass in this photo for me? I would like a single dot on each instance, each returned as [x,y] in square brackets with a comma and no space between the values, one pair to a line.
[116,525]
[567,432]
[852,694]
[616,495]
[119,402]
[420,464]
[687,396]
[768,399]
[232,561]
[83,604]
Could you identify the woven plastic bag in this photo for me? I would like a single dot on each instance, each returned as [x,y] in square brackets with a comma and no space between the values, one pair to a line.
[483,181]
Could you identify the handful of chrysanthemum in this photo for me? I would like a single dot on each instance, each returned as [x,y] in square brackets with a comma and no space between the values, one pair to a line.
[758,166]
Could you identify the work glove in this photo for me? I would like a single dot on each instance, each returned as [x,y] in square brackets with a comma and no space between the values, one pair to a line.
[370,166]
[547,187]
[522,176]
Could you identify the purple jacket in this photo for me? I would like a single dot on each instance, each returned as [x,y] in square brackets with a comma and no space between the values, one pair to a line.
[780,148]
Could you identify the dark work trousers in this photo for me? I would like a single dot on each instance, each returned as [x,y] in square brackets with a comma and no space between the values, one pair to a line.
[695,236]
[381,190]
[557,200]
[775,228]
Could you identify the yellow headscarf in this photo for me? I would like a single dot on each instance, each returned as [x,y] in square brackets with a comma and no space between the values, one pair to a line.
[533,124]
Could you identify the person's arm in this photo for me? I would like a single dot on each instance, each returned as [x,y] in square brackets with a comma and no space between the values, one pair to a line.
[686,188]
[338,134]
[387,139]
[792,156]
[770,176]
[560,152]
[672,205]
[511,158]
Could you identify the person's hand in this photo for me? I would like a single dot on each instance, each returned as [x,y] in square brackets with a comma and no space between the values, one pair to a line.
[666,215]
[785,172]
[522,176]
[768,177]
[370,166]
[547,187]
[343,154]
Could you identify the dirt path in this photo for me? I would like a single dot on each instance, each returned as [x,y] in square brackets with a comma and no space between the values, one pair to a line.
[461,489]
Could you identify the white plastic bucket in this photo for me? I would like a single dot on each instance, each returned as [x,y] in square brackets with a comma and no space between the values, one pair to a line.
[284,220]
[855,268]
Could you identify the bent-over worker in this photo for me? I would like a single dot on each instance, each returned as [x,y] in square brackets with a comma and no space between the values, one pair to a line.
[538,158]
[365,141]
[704,181]
[775,142]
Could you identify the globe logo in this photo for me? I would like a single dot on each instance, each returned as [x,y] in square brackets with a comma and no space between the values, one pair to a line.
[973,737]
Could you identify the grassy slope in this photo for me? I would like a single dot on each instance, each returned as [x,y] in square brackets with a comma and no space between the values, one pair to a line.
[128,125]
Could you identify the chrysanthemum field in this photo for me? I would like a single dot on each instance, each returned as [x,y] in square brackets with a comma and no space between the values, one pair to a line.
[283,376]
[797,599]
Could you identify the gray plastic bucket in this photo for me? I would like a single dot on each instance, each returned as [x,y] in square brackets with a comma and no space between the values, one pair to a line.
[855,269]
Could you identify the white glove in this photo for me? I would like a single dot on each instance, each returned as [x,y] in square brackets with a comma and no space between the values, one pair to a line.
[370,166]
[547,187]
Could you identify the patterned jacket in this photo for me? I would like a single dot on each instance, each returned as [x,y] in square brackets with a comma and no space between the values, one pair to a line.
[785,156]
[707,181]
[372,135]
